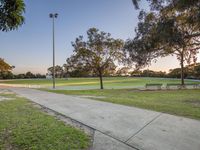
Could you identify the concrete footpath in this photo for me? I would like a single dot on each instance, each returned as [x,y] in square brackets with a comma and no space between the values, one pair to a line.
[120,127]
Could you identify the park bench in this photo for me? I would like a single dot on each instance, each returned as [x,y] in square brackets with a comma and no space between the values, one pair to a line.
[174,85]
[180,86]
[155,85]
[193,85]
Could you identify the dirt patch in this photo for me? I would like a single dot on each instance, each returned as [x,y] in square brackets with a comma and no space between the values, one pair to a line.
[194,102]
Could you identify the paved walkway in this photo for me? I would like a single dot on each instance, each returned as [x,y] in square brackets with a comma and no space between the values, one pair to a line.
[120,127]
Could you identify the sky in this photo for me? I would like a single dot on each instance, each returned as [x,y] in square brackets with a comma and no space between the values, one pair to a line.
[30,47]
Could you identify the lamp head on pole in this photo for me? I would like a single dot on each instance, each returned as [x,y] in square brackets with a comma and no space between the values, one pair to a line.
[53,15]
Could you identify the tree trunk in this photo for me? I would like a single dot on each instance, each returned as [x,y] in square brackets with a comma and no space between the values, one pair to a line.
[101,80]
[182,70]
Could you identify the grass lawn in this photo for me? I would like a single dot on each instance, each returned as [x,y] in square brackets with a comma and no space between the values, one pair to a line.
[93,83]
[177,102]
[23,127]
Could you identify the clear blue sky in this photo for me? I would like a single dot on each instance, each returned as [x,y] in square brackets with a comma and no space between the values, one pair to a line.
[30,47]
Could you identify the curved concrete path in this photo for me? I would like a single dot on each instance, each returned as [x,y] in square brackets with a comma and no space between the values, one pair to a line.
[120,127]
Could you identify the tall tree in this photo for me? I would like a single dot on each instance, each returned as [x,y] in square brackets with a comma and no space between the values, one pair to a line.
[11,14]
[98,53]
[162,32]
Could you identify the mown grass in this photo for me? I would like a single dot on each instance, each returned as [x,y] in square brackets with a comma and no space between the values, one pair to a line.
[177,102]
[109,82]
[24,127]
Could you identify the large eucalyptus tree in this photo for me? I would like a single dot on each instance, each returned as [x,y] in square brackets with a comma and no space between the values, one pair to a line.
[99,53]
[170,28]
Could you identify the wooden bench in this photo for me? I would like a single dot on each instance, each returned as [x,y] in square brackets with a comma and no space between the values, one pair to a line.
[158,86]
[180,86]
[193,85]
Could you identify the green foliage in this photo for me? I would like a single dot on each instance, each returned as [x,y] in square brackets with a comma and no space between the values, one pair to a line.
[5,69]
[11,14]
[26,127]
[59,72]
[98,54]
[166,31]
[6,75]
[123,71]
[4,66]
[197,71]
[190,72]
[135,3]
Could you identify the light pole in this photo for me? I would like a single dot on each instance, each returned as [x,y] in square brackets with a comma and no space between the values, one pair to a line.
[53,16]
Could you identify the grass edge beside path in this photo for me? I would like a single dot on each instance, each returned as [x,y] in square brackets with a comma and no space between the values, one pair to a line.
[23,126]
[184,103]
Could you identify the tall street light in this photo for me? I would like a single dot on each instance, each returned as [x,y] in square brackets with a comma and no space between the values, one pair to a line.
[53,16]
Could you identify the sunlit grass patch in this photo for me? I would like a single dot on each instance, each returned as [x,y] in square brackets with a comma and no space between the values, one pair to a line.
[23,126]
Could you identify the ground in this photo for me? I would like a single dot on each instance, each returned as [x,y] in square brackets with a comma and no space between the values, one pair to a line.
[177,102]
[116,126]
[119,127]
[93,83]
[24,126]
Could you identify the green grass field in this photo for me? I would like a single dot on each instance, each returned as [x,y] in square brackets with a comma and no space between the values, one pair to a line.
[93,83]
[23,127]
[122,90]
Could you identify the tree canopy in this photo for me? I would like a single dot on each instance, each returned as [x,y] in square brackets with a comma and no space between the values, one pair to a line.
[58,71]
[11,14]
[4,66]
[166,30]
[99,53]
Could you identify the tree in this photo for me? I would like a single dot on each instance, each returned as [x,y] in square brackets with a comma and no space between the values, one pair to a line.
[175,73]
[29,75]
[161,33]
[124,71]
[192,71]
[111,70]
[98,53]
[187,10]
[4,66]
[38,75]
[136,73]
[75,69]
[11,14]
[197,71]
[5,69]
[6,75]
[58,71]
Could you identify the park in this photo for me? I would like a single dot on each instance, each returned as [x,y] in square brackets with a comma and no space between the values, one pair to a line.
[112,91]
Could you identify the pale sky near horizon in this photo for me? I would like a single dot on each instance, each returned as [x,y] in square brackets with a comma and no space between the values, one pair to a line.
[30,47]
